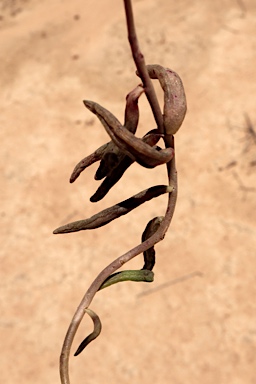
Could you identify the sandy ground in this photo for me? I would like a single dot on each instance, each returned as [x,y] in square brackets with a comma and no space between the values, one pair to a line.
[196,323]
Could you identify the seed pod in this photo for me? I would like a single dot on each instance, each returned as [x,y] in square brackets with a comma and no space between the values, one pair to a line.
[87,161]
[175,105]
[109,153]
[107,215]
[131,116]
[151,138]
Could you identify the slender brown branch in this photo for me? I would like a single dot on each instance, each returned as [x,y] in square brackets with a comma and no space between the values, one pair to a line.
[141,66]
[157,236]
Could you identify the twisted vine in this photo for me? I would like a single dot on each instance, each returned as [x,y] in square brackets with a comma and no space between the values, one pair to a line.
[115,157]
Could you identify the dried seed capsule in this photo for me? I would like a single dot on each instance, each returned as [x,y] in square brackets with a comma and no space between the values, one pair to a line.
[109,153]
[132,146]
[131,116]
[87,161]
[107,215]
[116,173]
[175,105]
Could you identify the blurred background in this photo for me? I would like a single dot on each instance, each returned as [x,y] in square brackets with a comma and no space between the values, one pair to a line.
[196,322]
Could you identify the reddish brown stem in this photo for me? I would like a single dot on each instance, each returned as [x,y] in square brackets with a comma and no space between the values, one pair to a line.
[164,225]
[141,66]
[112,267]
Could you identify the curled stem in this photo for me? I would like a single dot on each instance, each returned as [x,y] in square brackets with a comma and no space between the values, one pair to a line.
[96,331]
[114,266]
[130,275]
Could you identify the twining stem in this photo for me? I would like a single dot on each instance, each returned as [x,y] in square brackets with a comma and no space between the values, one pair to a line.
[112,267]
[164,225]
[96,332]
[141,66]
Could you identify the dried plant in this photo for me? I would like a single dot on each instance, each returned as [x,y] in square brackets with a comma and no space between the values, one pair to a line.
[115,157]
